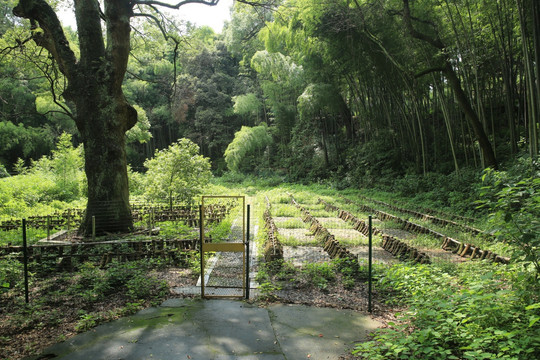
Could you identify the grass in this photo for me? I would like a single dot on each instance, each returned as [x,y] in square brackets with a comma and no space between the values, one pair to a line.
[293,241]
[14,237]
[290,223]
[284,210]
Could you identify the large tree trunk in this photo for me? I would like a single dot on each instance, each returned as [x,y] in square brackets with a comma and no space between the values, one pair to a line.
[103,136]
[94,87]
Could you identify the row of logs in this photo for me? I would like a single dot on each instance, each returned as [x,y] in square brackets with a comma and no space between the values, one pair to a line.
[449,244]
[429,217]
[333,248]
[273,250]
[55,221]
[403,251]
[103,252]
[395,246]
[72,218]
[474,252]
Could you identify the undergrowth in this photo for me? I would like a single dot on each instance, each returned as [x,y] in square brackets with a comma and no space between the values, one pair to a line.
[468,311]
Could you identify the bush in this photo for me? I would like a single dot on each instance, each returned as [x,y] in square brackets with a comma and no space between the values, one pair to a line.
[96,284]
[514,206]
[178,172]
[476,314]
[11,271]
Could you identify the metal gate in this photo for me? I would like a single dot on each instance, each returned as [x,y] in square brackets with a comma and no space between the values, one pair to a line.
[224,241]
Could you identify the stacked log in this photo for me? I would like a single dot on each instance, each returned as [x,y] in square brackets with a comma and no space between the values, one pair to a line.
[449,244]
[333,248]
[474,252]
[429,217]
[104,252]
[403,251]
[396,247]
[72,218]
[273,250]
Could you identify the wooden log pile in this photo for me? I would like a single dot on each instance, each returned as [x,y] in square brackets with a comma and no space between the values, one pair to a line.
[395,246]
[429,217]
[403,251]
[68,218]
[72,218]
[273,250]
[448,244]
[333,248]
[472,251]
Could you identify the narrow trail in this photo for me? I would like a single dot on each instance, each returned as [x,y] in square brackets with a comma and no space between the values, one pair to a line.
[224,273]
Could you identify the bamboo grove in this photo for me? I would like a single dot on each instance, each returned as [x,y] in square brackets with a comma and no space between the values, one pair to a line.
[405,86]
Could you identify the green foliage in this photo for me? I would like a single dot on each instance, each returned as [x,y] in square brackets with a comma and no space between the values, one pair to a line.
[66,166]
[95,284]
[20,141]
[435,190]
[46,184]
[471,312]
[175,229]
[247,140]
[3,171]
[514,206]
[177,173]
[319,274]
[247,105]
[11,271]
[19,193]
[87,321]
[140,132]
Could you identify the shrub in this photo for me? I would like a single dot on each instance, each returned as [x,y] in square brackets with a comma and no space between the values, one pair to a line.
[514,206]
[178,172]
[474,315]
[11,271]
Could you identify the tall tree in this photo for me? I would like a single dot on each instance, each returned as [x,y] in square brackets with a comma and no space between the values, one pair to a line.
[94,91]
[454,81]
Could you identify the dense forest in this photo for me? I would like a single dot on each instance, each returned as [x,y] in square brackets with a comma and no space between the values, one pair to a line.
[359,91]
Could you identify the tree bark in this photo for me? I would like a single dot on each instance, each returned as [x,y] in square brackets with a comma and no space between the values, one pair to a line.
[101,113]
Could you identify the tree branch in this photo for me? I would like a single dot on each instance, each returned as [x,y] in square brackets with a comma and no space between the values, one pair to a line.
[52,38]
[434,41]
[177,5]
[118,14]
[88,16]
[158,22]
[429,71]
[7,50]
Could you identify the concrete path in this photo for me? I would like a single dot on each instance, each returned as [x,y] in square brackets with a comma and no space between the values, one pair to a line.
[220,330]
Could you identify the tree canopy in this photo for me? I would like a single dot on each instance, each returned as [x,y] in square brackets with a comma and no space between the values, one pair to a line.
[354,91]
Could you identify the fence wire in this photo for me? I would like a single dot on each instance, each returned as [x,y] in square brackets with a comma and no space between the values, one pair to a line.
[224,270]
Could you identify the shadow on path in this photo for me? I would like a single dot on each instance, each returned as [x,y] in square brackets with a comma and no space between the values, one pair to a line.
[220,330]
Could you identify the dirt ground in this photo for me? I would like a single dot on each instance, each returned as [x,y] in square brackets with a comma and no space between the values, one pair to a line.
[27,329]
[19,339]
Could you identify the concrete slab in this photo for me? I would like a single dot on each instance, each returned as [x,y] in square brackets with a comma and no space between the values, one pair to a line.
[318,333]
[219,330]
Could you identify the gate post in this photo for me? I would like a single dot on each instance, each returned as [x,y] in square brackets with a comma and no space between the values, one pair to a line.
[247,253]
[201,247]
